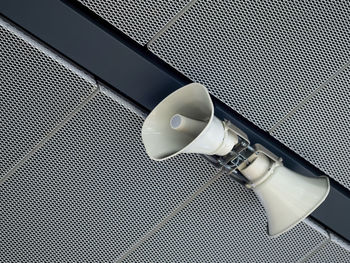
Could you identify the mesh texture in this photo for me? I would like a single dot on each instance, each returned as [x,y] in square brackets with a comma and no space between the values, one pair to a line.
[331,252]
[140,20]
[319,131]
[225,223]
[261,58]
[36,94]
[91,191]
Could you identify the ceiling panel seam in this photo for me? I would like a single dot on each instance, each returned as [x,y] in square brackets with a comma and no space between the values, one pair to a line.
[315,250]
[313,224]
[331,237]
[47,137]
[314,93]
[340,241]
[120,99]
[172,21]
[36,43]
[177,210]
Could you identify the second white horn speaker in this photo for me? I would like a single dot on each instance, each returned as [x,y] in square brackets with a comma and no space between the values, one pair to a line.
[184,122]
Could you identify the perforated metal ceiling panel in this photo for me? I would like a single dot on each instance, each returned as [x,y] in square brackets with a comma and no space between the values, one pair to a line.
[140,20]
[261,58]
[320,129]
[91,191]
[37,92]
[330,252]
[226,223]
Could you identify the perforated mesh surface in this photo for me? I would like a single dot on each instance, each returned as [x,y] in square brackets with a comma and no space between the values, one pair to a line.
[320,130]
[36,94]
[226,223]
[140,20]
[261,58]
[331,252]
[91,191]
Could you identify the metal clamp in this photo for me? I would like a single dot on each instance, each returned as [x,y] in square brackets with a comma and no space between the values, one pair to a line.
[240,153]
[237,155]
[242,135]
[261,149]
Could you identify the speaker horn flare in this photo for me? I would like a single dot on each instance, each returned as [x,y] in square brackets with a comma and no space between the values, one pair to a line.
[184,122]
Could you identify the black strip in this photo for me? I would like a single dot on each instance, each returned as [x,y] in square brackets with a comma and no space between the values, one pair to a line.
[115,59]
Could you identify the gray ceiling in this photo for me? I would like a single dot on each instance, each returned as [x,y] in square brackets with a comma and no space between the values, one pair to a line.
[141,20]
[34,104]
[79,186]
[281,64]
[271,60]
[335,251]
[226,223]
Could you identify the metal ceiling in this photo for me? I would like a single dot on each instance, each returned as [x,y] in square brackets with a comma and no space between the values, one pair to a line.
[68,200]
[283,65]
[65,199]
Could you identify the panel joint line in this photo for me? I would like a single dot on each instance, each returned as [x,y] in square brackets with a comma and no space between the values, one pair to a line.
[314,250]
[172,21]
[303,102]
[46,138]
[143,239]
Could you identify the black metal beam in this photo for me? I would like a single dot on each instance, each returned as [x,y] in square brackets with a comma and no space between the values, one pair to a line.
[113,58]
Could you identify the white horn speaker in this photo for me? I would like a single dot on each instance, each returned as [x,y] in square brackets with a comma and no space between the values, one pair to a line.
[288,197]
[184,122]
